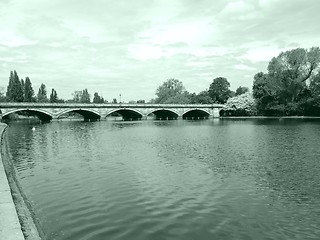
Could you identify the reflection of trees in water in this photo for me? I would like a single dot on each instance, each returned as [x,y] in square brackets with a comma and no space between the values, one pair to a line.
[72,115]
[20,141]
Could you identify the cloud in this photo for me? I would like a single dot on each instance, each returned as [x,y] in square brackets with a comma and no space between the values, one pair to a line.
[236,7]
[261,54]
[132,47]
[243,67]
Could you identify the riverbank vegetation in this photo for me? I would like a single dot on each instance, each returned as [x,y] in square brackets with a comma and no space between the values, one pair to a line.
[291,86]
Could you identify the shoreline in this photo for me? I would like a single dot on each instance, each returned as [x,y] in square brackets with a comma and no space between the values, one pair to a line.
[27,226]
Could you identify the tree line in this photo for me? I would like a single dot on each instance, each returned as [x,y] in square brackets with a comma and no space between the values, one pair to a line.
[291,86]
[20,90]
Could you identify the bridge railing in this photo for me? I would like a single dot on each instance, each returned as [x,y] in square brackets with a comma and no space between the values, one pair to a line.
[106,105]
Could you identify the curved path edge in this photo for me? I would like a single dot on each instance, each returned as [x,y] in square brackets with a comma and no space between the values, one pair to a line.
[16,221]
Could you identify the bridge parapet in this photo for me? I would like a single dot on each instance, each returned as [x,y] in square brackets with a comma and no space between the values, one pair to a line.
[106,105]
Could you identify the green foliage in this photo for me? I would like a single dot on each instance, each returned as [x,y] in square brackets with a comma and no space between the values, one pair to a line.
[219,90]
[42,94]
[81,96]
[77,96]
[171,91]
[314,86]
[97,98]
[241,105]
[28,91]
[202,98]
[241,90]
[85,98]
[14,89]
[53,96]
[291,80]
[114,101]
[178,99]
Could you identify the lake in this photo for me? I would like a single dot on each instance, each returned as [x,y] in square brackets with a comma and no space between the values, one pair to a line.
[211,179]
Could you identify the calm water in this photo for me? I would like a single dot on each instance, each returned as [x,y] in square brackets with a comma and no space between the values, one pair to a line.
[213,179]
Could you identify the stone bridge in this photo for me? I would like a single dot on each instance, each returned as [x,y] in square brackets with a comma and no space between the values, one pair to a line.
[91,111]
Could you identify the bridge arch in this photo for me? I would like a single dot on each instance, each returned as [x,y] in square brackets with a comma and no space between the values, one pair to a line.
[86,113]
[164,113]
[41,114]
[127,113]
[196,114]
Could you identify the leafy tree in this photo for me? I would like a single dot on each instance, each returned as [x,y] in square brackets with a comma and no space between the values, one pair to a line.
[97,98]
[202,98]
[81,96]
[284,89]
[42,93]
[315,86]
[77,96]
[141,101]
[28,91]
[22,88]
[53,96]
[114,100]
[241,105]
[14,89]
[292,69]
[10,87]
[171,91]
[219,90]
[241,90]
[179,99]
[85,97]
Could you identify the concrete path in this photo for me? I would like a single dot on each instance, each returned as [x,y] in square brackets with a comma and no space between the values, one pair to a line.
[10,228]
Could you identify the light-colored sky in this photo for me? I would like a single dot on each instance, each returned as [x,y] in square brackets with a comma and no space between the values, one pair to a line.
[132,47]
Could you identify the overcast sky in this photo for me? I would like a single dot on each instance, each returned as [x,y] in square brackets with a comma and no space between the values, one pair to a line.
[132,47]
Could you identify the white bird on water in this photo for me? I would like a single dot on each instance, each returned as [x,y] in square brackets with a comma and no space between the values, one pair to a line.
[33,128]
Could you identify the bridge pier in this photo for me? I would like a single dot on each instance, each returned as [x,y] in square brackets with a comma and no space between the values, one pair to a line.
[216,113]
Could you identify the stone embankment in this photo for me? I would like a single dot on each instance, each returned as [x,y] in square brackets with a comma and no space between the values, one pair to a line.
[16,221]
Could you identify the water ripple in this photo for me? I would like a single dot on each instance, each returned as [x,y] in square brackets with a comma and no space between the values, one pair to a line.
[171,180]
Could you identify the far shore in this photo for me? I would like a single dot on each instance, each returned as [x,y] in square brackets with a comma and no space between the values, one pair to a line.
[271,117]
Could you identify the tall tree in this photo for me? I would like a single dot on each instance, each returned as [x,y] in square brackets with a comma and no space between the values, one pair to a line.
[219,90]
[171,91]
[22,88]
[10,93]
[97,98]
[81,96]
[14,89]
[77,96]
[53,96]
[42,93]
[28,91]
[291,70]
[285,88]
[85,97]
